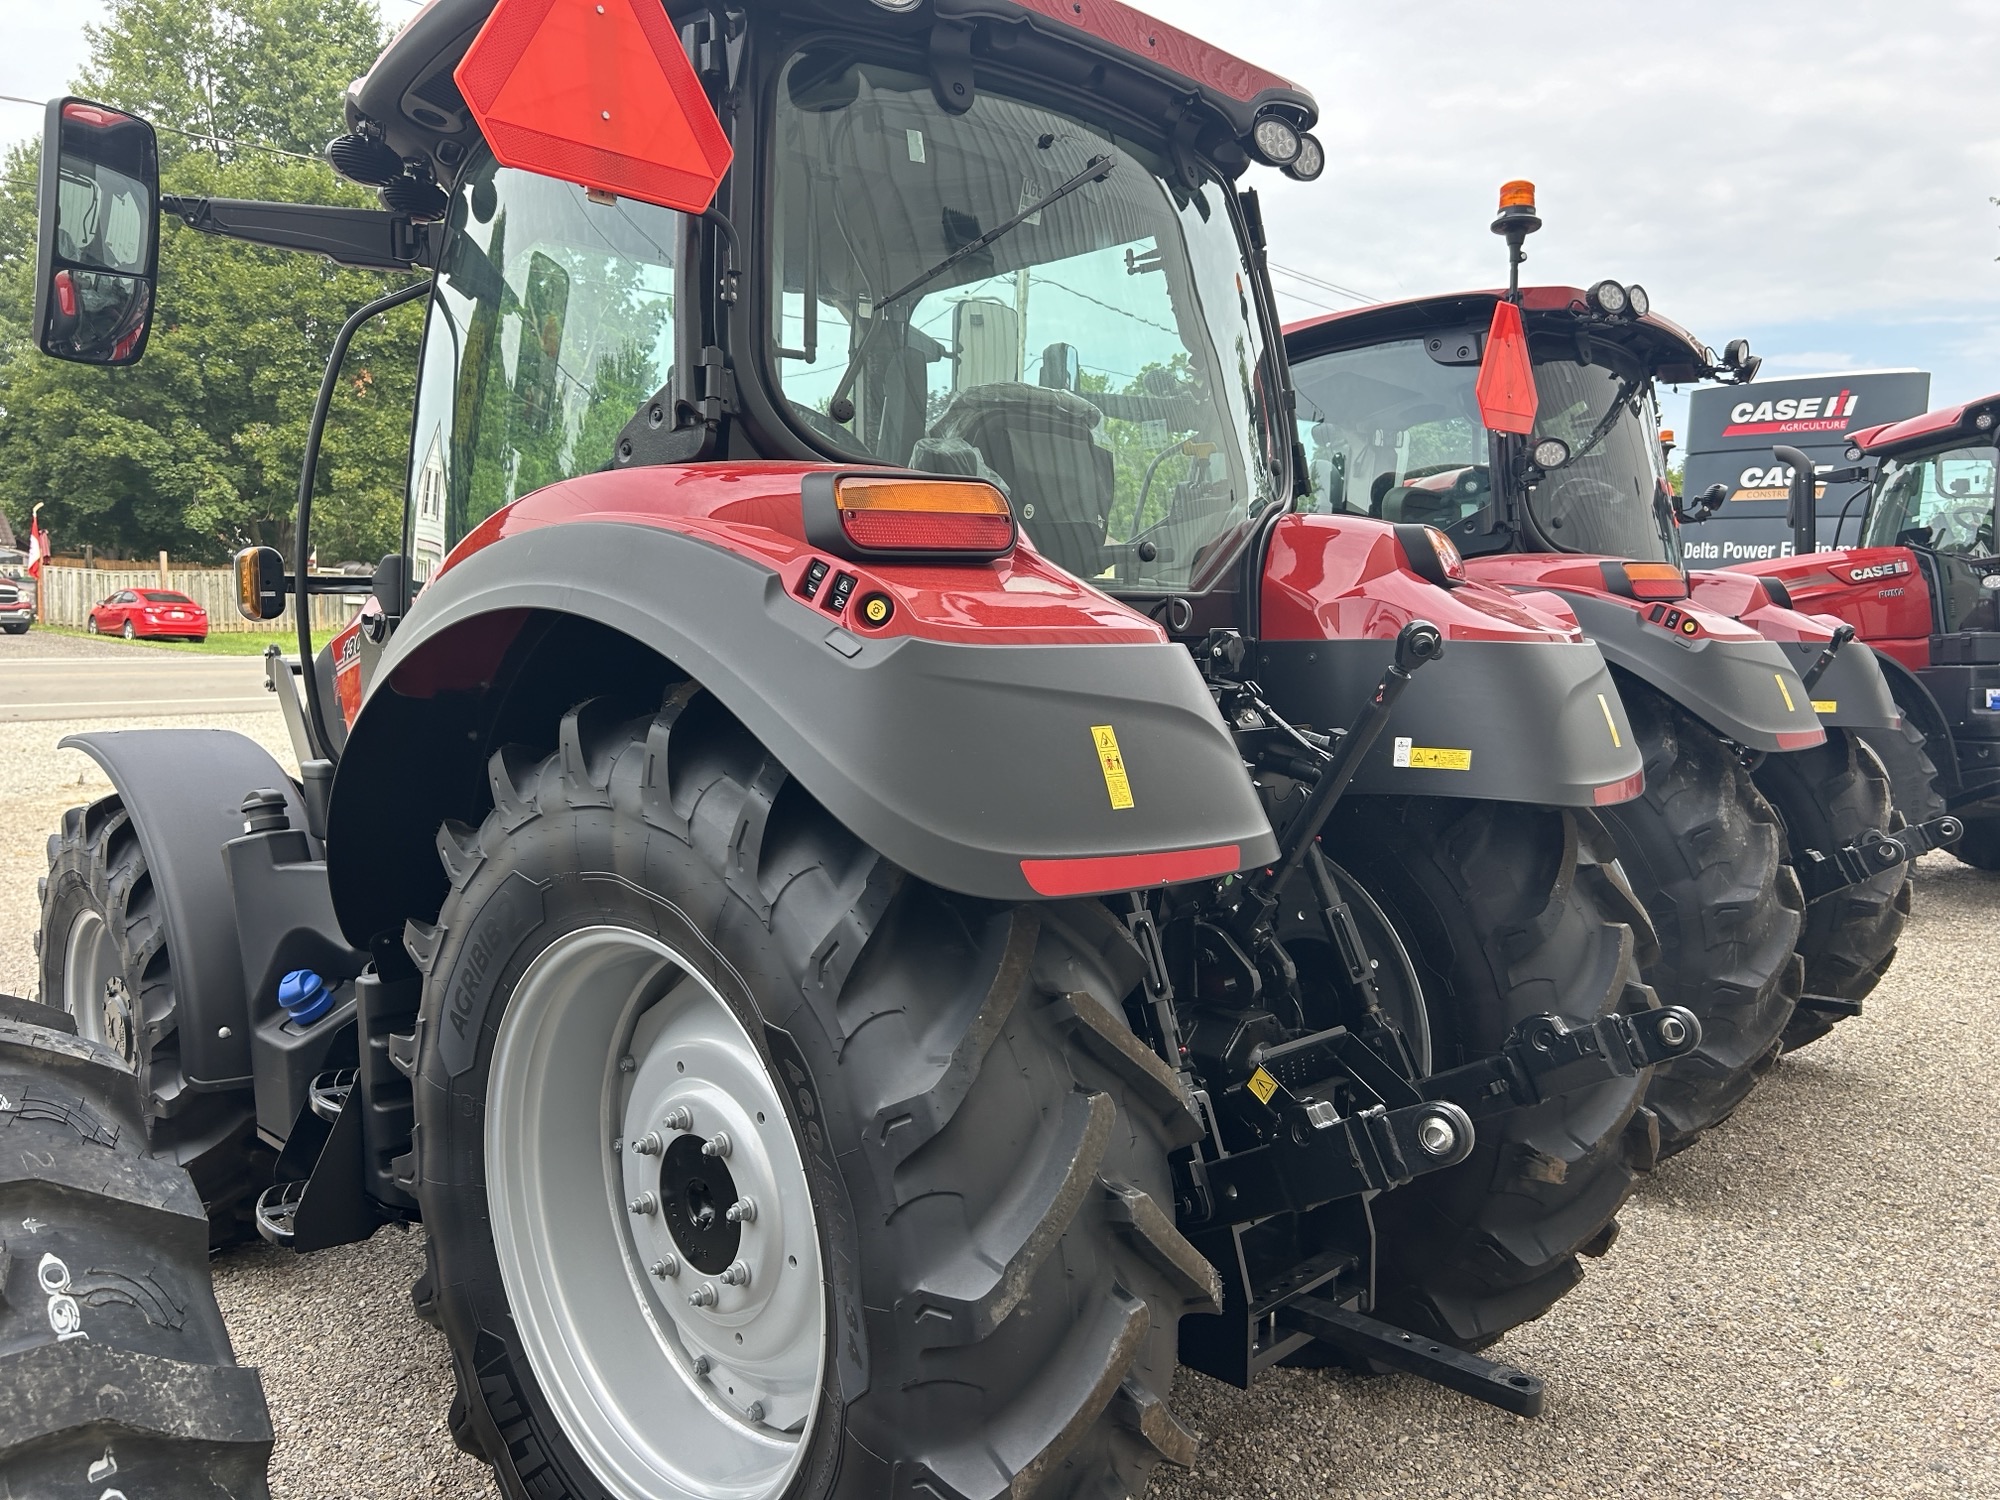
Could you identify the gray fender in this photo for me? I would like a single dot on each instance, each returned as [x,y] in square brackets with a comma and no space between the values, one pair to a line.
[957,762]
[1539,722]
[1747,691]
[183,790]
[1852,693]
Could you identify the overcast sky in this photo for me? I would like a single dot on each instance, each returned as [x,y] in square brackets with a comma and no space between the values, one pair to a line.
[1812,176]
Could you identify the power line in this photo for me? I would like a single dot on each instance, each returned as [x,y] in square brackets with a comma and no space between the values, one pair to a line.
[1322,283]
[219,140]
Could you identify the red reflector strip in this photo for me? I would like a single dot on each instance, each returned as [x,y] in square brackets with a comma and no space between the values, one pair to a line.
[1801,739]
[927,531]
[1129,872]
[1620,791]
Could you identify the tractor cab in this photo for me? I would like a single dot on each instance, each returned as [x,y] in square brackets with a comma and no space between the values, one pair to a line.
[1933,493]
[1004,248]
[1391,419]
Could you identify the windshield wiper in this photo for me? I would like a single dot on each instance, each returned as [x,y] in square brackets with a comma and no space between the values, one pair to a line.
[1627,388]
[1095,170]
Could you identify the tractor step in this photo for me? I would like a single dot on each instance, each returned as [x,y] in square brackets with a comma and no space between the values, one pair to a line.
[1830,1005]
[277,1209]
[1375,1344]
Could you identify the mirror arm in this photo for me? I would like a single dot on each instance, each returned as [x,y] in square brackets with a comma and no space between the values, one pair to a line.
[369,238]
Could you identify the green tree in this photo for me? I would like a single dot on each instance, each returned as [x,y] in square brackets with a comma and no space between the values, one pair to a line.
[197,448]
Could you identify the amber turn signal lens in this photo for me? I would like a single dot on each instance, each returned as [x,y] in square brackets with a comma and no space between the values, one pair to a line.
[889,513]
[1644,580]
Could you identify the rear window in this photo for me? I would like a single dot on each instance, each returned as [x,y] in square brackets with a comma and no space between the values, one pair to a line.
[161,596]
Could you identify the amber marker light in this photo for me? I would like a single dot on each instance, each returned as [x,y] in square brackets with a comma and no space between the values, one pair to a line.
[908,517]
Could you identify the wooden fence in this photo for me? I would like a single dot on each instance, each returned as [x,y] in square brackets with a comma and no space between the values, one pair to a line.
[69,593]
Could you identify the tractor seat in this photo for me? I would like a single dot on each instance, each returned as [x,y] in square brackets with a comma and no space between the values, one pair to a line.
[1042,443]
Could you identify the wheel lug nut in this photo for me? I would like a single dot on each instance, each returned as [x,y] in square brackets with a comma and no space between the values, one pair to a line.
[626,1065]
[703,1295]
[645,1203]
[736,1273]
[742,1211]
[754,1411]
[701,1364]
[669,1266]
[680,1117]
[648,1144]
[716,1145]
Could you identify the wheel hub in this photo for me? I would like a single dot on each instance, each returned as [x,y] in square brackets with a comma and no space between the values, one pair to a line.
[653,1223]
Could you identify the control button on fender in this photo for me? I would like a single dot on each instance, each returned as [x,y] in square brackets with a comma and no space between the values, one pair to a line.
[875,610]
[815,575]
[837,596]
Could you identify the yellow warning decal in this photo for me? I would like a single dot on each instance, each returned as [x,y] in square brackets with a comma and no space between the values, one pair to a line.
[1263,1085]
[1430,757]
[1790,707]
[1610,723]
[1116,782]
[1826,705]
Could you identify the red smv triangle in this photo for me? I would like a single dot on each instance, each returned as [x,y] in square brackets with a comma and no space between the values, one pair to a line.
[595,92]
[1506,385]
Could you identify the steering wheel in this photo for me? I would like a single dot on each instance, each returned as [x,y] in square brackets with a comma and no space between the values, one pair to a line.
[1974,523]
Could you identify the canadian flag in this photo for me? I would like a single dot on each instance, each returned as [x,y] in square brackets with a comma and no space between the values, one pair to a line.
[38,544]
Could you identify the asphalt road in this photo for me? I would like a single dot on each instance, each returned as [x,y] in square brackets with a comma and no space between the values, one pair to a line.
[46,677]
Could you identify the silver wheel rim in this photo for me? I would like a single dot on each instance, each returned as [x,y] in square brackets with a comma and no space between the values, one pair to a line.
[598,1224]
[94,989]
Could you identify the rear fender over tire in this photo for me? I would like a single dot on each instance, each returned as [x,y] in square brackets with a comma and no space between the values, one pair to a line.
[990,1191]
[117,1375]
[888,733]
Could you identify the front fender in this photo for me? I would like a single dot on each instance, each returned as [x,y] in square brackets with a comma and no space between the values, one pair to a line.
[1746,689]
[183,790]
[976,767]
[1853,692]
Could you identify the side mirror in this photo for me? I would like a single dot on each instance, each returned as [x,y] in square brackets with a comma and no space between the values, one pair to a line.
[260,583]
[392,585]
[98,246]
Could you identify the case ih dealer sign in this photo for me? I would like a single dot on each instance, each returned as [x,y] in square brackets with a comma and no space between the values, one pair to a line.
[1731,430]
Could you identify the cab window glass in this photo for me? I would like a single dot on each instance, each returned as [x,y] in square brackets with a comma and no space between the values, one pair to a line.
[1949,495]
[551,324]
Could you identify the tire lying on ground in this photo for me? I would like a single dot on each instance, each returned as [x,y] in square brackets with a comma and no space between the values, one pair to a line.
[1827,797]
[105,960]
[1705,853]
[116,1375]
[1503,911]
[751,1165]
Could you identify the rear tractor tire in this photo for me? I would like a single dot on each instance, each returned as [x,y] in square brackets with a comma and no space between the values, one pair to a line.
[1504,911]
[753,1166]
[1980,847]
[105,961]
[116,1375]
[1705,852]
[1827,797]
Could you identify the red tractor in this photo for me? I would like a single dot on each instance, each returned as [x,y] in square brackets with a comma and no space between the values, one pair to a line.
[824,872]
[1922,587]
[1523,424]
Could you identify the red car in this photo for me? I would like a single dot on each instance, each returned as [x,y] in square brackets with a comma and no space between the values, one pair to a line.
[151,613]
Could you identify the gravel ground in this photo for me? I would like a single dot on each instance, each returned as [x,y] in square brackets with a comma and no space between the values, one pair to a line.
[1806,1305]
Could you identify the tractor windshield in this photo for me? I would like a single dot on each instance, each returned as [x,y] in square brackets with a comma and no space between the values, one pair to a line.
[1391,431]
[1015,293]
[1946,497]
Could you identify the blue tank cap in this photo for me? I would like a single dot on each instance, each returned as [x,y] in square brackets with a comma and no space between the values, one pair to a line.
[304,996]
